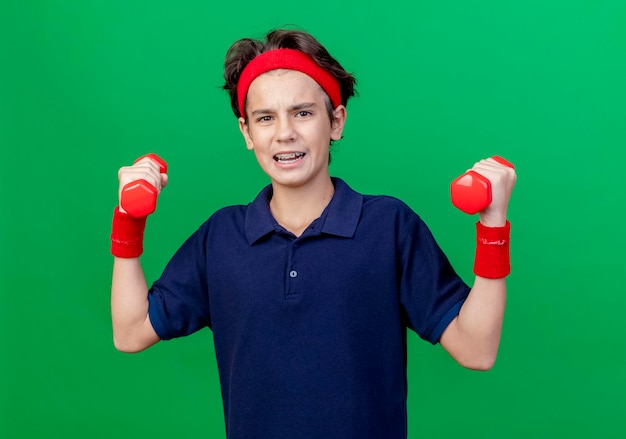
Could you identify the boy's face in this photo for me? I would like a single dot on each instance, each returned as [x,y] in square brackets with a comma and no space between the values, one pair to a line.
[288,127]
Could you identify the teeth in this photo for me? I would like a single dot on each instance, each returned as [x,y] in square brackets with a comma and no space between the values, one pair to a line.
[288,157]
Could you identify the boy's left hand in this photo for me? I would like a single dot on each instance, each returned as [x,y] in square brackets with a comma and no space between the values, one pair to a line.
[502,179]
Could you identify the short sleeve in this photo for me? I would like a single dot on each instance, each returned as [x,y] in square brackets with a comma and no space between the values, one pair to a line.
[431,292]
[179,299]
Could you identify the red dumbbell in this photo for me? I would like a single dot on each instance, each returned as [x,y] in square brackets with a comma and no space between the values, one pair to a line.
[471,192]
[139,197]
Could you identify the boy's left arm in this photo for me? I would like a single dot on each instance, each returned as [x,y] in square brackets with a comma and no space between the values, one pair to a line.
[473,337]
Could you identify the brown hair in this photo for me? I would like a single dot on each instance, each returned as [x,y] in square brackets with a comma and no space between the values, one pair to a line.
[246,49]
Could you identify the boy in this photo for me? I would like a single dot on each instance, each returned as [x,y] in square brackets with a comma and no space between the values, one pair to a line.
[309,289]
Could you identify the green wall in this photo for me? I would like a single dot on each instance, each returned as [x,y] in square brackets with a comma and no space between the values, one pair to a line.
[87,86]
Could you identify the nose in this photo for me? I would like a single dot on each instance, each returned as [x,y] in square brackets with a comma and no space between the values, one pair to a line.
[285,130]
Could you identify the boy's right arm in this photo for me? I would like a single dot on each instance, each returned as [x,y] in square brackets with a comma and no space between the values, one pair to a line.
[132,330]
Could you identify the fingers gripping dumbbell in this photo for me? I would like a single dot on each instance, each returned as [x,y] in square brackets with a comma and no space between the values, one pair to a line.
[139,197]
[471,192]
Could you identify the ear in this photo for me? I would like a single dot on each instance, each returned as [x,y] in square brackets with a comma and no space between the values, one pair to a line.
[340,113]
[245,132]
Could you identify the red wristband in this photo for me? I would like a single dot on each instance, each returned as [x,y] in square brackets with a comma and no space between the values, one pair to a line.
[127,235]
[492,251]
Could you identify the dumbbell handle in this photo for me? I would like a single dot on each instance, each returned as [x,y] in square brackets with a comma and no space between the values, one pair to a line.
[139,197]
[471,192]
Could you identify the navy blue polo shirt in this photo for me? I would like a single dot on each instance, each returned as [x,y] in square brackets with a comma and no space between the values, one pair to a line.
[310,331]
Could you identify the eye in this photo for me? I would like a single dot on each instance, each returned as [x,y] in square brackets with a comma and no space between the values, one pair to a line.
[303,113]
[264,119]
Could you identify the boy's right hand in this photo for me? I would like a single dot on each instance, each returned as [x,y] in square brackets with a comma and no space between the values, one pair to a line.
[147,169]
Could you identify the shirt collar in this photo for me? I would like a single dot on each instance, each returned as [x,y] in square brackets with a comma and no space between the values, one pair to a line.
[340,217]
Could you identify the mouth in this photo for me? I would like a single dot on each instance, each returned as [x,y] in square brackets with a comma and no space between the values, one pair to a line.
[290,157]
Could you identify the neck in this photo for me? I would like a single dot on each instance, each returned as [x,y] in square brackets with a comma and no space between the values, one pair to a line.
[295,208]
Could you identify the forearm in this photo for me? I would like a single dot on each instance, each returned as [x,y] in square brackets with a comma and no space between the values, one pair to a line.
[473,337]
[132,330]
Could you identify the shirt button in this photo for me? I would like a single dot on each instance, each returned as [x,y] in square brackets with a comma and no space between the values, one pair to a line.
[293,273]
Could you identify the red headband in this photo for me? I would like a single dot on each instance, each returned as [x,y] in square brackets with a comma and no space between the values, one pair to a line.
[286,59]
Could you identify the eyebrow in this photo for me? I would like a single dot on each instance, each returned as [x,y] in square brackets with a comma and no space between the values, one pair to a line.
[297,107]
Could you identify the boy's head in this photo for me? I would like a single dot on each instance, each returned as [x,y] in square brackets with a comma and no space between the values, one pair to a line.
[311,58]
